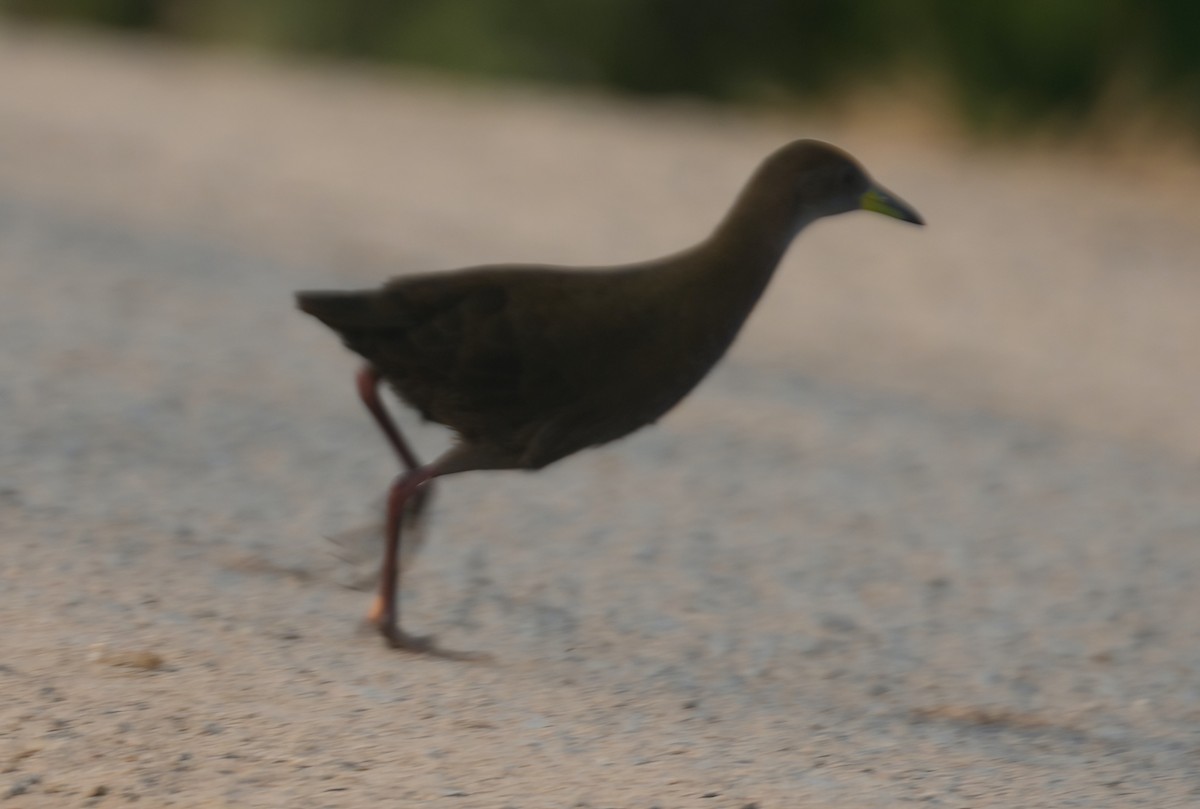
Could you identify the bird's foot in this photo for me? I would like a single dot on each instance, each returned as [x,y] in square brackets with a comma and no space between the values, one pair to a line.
[396,638]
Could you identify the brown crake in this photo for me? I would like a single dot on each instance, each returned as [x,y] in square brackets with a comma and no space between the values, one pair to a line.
[529,364]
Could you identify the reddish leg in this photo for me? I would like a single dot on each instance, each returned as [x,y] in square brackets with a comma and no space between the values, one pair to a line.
[406,500]
[368,391]
[385,612]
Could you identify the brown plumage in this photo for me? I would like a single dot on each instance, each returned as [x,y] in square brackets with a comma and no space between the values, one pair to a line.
[529,364]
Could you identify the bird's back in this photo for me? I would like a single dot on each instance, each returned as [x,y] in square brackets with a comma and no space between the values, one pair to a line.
[536,362]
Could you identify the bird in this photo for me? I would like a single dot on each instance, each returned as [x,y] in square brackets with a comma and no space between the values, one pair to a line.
[528,364]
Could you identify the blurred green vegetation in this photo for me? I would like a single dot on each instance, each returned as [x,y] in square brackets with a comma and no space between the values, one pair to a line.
[1007,64]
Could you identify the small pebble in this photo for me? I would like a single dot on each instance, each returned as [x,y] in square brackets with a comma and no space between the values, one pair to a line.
[22,785]
[126,658]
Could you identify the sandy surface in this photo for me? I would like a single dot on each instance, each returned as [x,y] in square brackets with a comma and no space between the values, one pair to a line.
[929,535]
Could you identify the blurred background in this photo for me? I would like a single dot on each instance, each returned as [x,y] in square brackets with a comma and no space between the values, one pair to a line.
[1001,65]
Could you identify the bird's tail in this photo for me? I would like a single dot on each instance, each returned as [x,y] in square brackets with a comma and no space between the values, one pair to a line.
[346,311]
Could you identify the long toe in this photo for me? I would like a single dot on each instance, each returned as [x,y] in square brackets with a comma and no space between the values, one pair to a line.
[397,638]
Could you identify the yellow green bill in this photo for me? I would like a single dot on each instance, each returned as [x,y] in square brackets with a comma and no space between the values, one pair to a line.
[880,201]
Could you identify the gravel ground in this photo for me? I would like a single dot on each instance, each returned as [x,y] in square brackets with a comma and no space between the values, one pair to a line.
[927,536]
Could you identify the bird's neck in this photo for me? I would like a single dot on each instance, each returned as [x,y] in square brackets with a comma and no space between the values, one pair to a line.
[716,284]
[740,256]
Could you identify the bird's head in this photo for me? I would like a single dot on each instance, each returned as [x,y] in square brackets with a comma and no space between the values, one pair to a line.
[822,180]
